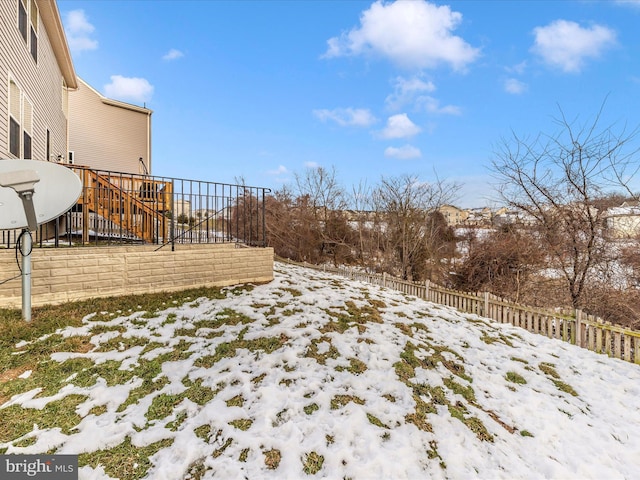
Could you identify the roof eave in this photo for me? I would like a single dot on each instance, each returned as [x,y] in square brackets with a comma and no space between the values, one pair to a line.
[53,25]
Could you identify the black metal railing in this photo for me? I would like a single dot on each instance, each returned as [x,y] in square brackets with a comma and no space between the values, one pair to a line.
[122,208]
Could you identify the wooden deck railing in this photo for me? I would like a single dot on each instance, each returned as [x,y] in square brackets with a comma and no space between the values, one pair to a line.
[578,328]
[136,206]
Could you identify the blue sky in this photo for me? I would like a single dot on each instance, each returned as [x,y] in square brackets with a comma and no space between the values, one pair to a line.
[266,89]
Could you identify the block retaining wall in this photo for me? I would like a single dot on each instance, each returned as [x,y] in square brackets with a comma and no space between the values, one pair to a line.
[65,274]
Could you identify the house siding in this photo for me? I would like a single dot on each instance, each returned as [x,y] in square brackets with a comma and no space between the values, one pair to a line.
[108,135]
[40,82]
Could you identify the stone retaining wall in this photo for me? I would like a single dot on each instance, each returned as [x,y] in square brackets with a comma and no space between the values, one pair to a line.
[65,274]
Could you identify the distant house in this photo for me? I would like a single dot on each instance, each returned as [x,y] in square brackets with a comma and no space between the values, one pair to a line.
[454,216]
[37,72]
[107,134]
[623,221]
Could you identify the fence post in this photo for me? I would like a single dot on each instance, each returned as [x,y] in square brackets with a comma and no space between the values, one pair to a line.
[426,290]
[384,279]
[486,305]
[578,327]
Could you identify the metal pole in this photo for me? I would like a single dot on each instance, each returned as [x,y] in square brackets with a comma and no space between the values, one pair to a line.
[26,245]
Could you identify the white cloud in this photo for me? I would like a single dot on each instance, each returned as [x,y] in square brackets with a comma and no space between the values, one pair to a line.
[281,170]
[172,54]
[129,88]
[403,153]
[414,34]
[514,86]
[311,164]
[519,68]
[632,3]
[347,117]
[78,31]
[567,45]
[432,105]
[406,90]
[400,126]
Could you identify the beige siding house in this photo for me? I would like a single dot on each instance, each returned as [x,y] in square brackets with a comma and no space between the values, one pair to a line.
[623,221]
[107,134]
[453,215]
[36,73]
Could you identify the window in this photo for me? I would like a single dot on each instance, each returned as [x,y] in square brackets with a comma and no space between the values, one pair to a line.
[26,146]
[34,30]
[34,45]
[14,119]
[14,137]
[20,123]
[27,127]
[22,20]
[28,25]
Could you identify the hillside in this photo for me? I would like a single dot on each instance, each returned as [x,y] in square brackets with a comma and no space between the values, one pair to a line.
[314,376]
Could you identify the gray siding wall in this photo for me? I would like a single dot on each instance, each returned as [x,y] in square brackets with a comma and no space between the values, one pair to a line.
[41,82]
[108,135]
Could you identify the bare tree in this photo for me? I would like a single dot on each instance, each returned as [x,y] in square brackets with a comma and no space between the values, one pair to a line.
[556,180]
[411,237]
[326,205]
[503,263]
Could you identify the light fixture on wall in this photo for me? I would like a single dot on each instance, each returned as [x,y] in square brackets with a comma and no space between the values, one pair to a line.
[144,166]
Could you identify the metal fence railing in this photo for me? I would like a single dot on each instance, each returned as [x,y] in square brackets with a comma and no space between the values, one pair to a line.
[122,208]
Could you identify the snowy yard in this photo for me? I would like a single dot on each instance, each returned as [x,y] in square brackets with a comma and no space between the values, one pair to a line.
[314,376]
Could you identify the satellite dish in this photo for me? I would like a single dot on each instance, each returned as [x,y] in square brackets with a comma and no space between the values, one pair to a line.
[52,188]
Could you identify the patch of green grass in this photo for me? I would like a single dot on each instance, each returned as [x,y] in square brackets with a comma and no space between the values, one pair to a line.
[549,369]
[376,421]
[309,409]
[17,421]
[203,432]
[419,416]
[526,433]
[467,392]
[355,366]
[148,386]
[341,400]
[521,360]
[228,349]
[321,358]
[272,458]
[179,420]
[162,406]
[293,291]
[242,423]
[474,424]
[124,460]
[312,463]
[564,387]
[243,455]
[237,401]
[513,377]
[198,393]
[351,316]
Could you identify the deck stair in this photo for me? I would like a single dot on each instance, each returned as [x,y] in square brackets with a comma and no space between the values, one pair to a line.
[137,204]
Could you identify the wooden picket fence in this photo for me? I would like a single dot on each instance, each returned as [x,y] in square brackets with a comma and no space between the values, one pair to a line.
[576,327]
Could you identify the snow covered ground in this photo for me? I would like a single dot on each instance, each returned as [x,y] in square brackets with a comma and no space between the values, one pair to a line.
[315,376]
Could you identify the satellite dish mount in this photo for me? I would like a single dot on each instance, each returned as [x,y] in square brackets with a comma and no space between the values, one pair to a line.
[45,191]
